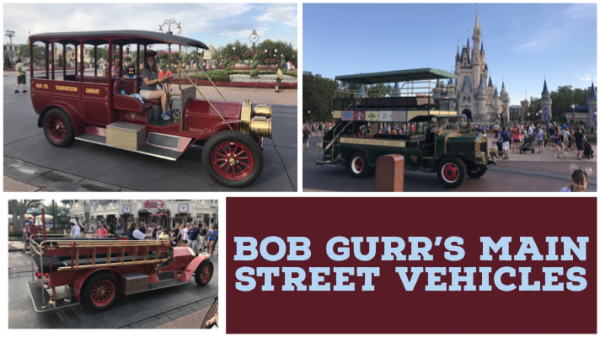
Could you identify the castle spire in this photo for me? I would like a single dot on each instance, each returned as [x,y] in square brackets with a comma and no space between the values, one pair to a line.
[477,29]
[545,92]
[592,96]
[481,82]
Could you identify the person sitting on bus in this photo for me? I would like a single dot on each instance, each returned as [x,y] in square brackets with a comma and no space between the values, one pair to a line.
[361,132]
[150,79]
[134,234]
[101,232]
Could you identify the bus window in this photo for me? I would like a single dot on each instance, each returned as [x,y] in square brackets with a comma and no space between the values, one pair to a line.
[40,60]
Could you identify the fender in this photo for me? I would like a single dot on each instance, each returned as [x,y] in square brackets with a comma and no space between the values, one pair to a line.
[78,123]
[191,268]
[365,152]
[84,276]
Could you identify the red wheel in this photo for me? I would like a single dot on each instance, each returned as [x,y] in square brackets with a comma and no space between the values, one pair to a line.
[450,172]
[358,165]
[232,160]
[58,128]
[103,293]
[100,291]
[204,273]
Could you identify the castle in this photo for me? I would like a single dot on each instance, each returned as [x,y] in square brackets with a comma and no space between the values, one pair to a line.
[477,100]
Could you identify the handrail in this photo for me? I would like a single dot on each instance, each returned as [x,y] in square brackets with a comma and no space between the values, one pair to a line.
[206,99]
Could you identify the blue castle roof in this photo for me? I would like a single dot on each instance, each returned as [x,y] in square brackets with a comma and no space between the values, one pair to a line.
[592,93]
[496,93]
[545,92]
[466,83]
[481,83]
[490,82]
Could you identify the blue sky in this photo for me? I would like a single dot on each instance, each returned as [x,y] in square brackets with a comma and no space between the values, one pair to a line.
[217,23]
[523,42]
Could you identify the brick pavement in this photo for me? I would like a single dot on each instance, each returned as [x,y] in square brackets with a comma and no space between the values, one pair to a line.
[510,182]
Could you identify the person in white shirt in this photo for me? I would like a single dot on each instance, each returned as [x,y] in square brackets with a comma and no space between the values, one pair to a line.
[75,232]
[134,234]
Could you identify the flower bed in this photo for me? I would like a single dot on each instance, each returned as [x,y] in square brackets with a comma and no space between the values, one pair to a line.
[240,68]
[240,84]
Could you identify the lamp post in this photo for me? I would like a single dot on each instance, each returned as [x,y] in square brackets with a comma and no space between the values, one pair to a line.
[233,54]
[178,31]
[254,38]
[573,110]
[10,34]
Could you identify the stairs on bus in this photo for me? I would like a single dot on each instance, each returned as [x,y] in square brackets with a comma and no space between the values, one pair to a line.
[134,138]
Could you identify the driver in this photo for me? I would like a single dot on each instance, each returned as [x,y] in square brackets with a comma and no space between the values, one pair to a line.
[150,79]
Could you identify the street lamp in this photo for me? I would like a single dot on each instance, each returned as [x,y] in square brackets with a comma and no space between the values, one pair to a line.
[276,56]
[10,34]
[178,31]
[233,52]
[573,110]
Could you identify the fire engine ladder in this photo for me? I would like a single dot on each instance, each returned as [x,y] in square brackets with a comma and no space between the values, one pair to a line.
[145,247]
[332,150]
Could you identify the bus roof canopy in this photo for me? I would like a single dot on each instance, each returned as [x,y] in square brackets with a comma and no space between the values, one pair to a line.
[121,37]
[397,76]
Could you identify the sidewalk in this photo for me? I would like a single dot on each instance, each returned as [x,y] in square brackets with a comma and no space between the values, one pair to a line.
[191,321]
[547,156]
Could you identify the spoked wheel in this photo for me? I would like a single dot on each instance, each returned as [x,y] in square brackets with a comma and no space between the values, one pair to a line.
[204,273]
[232,158]
[451,172]
[100,292]
[358,166]
[58,128]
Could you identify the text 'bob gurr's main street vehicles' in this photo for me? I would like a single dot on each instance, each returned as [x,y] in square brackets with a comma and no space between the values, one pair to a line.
[417,119]
[96,270]
[75,103]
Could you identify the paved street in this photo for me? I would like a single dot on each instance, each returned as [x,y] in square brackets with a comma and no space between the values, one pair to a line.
[545,174]
[177,307]
[30,159]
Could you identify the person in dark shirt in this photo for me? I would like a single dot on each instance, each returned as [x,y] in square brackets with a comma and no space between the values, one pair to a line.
[131,70]
[305,135]
[193,234]
[579,142]
[203,232]
[505,135]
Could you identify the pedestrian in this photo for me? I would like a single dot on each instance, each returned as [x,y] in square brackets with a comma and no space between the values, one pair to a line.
[175,234]
[21,77]
[579,142]
[212,239]
[75,229]
[119,225]
[305,136]
[192,236]
[184,234]
[151,229]
[579,180]
[278,77]
[505,135]
[560,144]
[101,232]
[164,234]
[203,233]
[517,138]
[26,235]
[540,139]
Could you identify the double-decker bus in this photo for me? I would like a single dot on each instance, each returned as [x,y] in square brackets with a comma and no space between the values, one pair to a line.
[416,118]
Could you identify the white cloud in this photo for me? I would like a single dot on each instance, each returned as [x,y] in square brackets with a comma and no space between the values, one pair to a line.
[584,77]
[288,15]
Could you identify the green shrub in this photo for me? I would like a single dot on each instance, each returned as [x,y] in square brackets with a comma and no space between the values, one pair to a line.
[592,139]
[254,73]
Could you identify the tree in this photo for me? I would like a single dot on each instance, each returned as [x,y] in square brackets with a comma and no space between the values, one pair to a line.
[317,97]
[102,53]
[284,48]
[18,208]
[7,63]
[60,61]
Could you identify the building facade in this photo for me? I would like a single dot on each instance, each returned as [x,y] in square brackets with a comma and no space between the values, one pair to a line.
[162,212]
[477,99]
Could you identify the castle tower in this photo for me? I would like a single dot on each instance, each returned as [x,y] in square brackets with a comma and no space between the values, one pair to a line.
[592,106]
[475,57]
[496,99]
[481,97]
[546,103]
[505,102]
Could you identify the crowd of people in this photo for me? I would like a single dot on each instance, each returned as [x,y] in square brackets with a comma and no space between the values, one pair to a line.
[196,236]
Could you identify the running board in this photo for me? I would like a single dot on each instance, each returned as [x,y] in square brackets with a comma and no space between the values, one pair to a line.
[165,284]
[35,291]
[146,149]
[336,163]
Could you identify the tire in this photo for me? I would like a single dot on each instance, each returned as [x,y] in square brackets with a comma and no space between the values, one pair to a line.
[451,172]
[58,128]
[219,148]
[204,273]
[477,172]
[91,293]
[358,166]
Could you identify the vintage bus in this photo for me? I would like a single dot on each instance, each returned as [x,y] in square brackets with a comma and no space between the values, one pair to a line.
[96,105]
[416,117]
